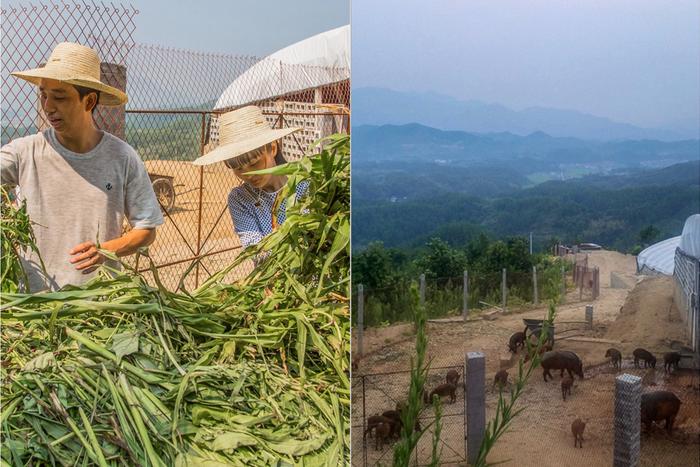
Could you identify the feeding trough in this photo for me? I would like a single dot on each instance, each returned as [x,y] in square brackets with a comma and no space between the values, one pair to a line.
[535,325]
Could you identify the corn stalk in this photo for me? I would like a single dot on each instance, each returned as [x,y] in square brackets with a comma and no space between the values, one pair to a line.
[505,409]
[122,372]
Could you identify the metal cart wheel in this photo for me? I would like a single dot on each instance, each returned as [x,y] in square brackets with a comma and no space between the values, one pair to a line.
[165,193]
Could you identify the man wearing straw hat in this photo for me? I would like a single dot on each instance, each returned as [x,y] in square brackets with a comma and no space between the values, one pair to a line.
[79,182]
[247,143]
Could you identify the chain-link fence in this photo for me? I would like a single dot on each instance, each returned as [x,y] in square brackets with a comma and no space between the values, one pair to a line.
[542,433]
[30,31]
[175,97]
[375,394]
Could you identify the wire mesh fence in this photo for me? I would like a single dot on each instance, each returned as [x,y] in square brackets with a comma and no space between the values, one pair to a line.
[375,394]
[542,433]
[29,33]
[175,97]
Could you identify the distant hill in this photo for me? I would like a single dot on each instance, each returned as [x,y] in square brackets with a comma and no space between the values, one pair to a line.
[415,142]
[379,106]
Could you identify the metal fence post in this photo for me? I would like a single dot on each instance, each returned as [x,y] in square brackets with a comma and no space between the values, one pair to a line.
[530,243]
[422,289]
[201,197]
[503,289]
[589,316]
[465,295]
[360,318]
[628,398]
[475,394]
[535,294]
[563,284]
[421,299]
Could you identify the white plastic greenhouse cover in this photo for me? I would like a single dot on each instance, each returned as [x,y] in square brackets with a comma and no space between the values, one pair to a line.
[690,238]
[323,59]
[659,257]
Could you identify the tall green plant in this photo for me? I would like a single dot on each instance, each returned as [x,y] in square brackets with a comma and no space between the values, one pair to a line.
[437,431]
[505,409]
[419,372]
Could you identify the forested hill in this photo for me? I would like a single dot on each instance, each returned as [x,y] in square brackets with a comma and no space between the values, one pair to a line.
[609,210]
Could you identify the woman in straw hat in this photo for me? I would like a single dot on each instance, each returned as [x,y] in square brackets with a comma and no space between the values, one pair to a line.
[78,181]
[247,143]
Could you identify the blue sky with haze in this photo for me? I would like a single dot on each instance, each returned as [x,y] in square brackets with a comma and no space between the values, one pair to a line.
[241,27]
[634,61]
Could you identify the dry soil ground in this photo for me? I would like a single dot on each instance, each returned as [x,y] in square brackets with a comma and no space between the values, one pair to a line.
[642,316]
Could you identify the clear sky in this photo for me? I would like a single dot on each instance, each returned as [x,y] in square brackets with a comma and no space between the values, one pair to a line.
[241,27]
[635,61]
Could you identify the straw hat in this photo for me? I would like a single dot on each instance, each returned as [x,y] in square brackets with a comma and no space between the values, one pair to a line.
[75,64]
[242,131]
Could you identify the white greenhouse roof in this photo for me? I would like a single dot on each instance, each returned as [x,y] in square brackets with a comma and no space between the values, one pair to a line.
[316,61]
[690,238]
[659,257]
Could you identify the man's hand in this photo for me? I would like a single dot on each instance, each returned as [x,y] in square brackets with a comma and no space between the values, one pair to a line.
[86,257]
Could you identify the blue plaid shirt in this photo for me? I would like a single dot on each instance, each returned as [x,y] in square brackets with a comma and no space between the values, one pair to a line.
[252,216]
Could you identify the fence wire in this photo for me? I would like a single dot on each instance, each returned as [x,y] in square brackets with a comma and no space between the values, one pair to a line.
[373,394]
[30,31]
[542,433]
[175,97]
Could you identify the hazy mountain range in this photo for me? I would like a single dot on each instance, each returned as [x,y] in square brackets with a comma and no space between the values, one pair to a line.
[379,106]
[534,152]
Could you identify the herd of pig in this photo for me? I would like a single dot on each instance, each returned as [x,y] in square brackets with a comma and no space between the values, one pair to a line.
[656,406]
[389,424]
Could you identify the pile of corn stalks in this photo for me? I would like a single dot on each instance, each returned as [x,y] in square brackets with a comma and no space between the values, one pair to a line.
[17,234]
[119,372]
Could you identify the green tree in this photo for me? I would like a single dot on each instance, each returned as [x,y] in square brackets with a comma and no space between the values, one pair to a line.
[648,235]
[440,261]
[551,243]
[372,267]
[512,254]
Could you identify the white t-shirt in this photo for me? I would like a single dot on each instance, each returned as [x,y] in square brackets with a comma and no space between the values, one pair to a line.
[74,198]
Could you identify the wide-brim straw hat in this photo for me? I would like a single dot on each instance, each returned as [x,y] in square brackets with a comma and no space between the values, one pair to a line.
[75,64]
[241,131]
